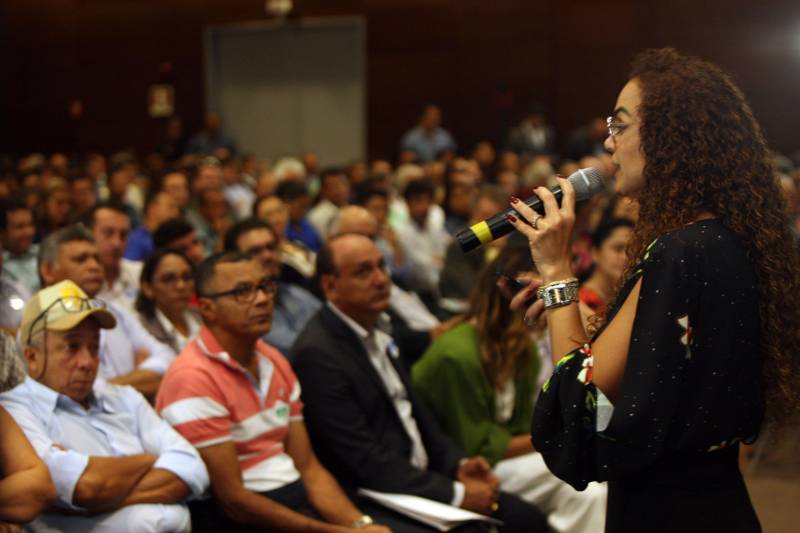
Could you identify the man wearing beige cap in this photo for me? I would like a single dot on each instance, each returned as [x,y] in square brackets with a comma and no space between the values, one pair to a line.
[116,465]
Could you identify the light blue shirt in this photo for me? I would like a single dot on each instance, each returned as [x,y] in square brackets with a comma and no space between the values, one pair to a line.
[21,269]
[294,306]
[427,147]
[119,422]
[119,345]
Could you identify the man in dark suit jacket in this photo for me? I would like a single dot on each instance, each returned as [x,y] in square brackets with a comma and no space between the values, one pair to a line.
[365,422]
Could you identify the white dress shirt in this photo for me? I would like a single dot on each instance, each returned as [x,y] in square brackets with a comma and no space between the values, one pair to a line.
[118,347]
[125,289]
[181,341]
[379,345]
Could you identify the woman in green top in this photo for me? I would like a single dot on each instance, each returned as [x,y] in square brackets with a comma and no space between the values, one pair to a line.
[479,380]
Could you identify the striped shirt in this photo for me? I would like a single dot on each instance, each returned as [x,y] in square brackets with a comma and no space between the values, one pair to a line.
[209,398]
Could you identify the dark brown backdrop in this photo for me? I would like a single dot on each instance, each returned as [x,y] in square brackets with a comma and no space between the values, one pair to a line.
[483,61]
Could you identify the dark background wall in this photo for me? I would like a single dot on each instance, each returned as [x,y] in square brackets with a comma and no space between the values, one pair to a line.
[483,61]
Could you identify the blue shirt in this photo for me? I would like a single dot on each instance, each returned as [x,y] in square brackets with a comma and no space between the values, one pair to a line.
[119,422]
[293,307]
[140,244]
[21,269]
[427,147]
[304,232]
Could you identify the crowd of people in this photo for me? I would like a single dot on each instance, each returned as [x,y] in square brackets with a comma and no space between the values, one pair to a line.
[289,333]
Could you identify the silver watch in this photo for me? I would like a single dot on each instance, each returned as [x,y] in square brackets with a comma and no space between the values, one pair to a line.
[364,521]
[559,294]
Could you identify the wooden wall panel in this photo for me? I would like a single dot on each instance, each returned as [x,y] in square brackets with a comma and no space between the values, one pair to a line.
[483,61]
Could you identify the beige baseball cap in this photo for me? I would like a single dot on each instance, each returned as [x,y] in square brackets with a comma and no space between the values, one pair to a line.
[65,306]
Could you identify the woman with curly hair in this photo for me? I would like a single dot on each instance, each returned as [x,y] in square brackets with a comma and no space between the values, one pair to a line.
[702,340]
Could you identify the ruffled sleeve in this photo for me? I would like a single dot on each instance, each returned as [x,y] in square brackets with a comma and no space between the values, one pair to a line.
[565,423]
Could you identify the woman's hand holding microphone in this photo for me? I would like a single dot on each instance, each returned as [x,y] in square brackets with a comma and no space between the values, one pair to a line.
[549,239]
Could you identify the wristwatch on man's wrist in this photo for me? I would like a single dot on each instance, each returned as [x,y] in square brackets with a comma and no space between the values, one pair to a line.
[364,521]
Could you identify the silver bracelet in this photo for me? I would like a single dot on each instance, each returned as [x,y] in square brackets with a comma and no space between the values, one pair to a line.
[559,293]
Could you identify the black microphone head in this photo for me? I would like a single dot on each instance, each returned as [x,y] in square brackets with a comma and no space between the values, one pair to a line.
[587,182]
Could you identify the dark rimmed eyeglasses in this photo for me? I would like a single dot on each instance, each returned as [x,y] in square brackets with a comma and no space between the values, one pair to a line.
[246,292]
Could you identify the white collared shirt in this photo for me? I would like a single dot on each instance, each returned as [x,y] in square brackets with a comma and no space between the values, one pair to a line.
[169,328]
[125,289]
[378,345]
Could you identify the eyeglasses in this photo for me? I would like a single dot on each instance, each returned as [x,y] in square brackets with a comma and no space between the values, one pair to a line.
[615,127]
[70,304]
[246,292]
[171,278]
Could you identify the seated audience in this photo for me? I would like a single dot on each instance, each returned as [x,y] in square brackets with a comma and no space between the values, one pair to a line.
[264,475]
[122,187]
[533,136]
[292,304]
[211,219]
[110,225]
[129,355]
[460,272]
[413,325]
[428,140]
[167,288]
[56,206]
[374,197]
[365,421]
[84,196]
[459,202]
[116,465]
[158,208]
[334,194]
[239,195]
[176,184]
[19,251]
[12,299]
[479,381]
[211,140]
[12,369]
[609,244]
[178,234]
[294,194]
[297,261]
[423,237]
[26,488]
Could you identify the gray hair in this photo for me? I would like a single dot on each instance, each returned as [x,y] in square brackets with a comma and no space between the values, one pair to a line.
[51,245]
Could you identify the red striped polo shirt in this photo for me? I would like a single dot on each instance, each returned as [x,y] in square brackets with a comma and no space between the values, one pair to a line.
[209,399]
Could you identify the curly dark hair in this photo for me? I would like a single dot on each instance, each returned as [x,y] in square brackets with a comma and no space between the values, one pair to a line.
[706,153]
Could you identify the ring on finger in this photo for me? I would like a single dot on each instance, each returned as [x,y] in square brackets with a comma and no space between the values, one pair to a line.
[535,221]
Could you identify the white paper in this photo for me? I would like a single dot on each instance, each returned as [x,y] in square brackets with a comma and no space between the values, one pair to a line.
[435,514]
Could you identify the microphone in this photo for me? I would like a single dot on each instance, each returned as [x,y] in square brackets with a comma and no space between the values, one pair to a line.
[587,182]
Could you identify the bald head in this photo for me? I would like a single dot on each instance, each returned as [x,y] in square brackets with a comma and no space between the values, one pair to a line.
[354,219]
[354,278]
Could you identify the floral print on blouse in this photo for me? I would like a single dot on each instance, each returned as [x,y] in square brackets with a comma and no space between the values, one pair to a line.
[692,378]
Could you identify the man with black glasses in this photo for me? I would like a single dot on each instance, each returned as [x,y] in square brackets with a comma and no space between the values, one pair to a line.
[238,401]
[115,464]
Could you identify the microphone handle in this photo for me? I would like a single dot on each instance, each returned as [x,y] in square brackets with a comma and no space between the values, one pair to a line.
[498,225]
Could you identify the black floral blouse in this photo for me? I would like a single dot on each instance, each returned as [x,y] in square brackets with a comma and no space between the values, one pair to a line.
[692,378]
